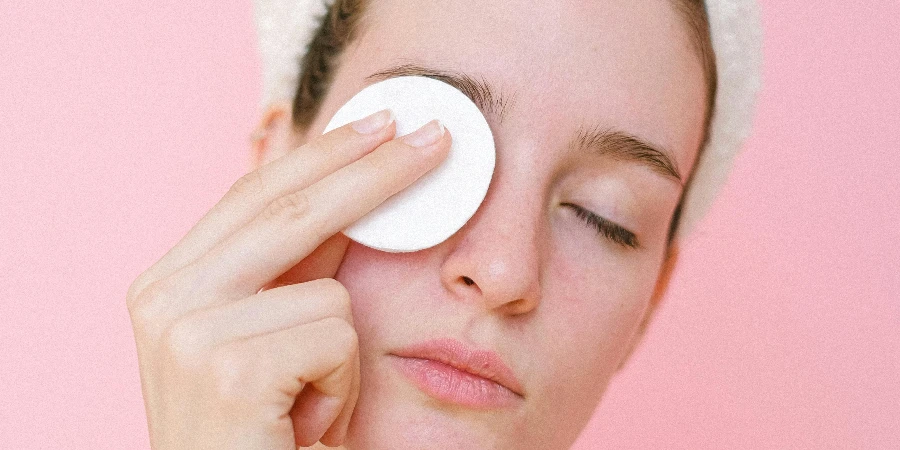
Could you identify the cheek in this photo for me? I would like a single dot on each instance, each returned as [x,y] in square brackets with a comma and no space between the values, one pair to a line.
[371,278]
[595,306]
[389,295]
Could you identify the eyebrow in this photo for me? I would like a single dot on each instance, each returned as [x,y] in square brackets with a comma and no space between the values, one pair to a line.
[487,97]
[608,142]
[624,146]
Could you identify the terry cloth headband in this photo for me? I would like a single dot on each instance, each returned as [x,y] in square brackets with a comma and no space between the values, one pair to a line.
[285,29]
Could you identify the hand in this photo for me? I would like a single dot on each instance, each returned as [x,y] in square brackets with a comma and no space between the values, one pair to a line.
[226,362]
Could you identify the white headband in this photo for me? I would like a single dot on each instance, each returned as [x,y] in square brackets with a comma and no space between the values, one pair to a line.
[285,28]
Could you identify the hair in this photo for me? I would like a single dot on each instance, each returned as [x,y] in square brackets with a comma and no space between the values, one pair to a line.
[340,25]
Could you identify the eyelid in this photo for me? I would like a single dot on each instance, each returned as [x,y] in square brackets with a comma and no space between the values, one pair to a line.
[611,230]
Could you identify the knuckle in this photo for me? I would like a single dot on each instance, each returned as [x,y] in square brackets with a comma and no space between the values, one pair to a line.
[339,294]
[343,335]
[229,376]
[250,184]
[142,320]
[144,307]
[134,290]
[289,207]
[319,145]
[183,344]
[371,164]
[334,288]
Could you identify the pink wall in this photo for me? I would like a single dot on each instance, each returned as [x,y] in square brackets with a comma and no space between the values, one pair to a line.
[120,128]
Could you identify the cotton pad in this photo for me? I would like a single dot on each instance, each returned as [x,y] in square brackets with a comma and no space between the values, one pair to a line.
[440,202]
[285,29]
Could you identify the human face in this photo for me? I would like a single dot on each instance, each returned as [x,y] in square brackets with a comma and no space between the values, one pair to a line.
[527,277]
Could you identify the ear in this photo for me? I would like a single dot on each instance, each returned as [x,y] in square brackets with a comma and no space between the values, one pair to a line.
[274,136]
[659,292]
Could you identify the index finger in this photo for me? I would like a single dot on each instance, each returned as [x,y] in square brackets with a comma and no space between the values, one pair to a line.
[254,191]
[295,224]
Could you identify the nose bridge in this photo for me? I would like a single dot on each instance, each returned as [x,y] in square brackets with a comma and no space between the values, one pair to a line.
[496,255]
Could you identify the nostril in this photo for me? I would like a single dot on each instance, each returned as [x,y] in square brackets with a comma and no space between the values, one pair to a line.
[468,281]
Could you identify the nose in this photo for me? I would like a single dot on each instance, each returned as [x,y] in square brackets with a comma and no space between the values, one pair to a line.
[494,260]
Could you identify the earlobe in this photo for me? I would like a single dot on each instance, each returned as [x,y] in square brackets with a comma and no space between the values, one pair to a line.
[659,292]
[274,135]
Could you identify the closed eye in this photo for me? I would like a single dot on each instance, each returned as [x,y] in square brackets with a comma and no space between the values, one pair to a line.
[605,227]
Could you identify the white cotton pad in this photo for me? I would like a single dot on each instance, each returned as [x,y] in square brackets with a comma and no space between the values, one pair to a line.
[440,202]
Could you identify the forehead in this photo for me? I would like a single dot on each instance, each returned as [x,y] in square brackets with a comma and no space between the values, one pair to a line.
[562,63]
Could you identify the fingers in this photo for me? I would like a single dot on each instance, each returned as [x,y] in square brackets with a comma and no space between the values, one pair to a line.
[254,191]
[337,433]
[323,262]
[287,357]
[313,413]
[268,312]
[293,348]
[293,225]
[320,355]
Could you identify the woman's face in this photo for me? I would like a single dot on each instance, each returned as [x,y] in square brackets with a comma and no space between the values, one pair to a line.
[527,277]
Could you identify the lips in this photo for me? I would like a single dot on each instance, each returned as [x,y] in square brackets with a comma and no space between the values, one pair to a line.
[449,370]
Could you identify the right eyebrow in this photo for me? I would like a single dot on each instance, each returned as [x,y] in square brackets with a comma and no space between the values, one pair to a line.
[489,99]
[607,142]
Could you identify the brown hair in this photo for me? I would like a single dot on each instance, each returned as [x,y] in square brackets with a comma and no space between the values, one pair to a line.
[338,27]
[341,22]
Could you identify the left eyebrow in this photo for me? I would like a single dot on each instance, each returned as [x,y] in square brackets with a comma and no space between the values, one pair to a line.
[600,141]
[624,146]
[487,97]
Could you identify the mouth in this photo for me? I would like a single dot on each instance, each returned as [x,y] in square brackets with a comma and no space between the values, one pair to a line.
[450,371]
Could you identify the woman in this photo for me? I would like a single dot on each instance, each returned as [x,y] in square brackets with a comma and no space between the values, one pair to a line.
[265,327]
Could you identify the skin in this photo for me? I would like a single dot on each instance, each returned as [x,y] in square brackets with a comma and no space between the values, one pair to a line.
[560,304]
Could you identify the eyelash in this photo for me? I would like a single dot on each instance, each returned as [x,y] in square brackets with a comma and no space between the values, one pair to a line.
[608,229]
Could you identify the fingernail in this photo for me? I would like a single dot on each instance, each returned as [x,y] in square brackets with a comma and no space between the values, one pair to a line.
[430,133]
[373,122]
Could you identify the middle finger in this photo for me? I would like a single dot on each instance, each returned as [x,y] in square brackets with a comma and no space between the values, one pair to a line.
[252,192]
[293,225]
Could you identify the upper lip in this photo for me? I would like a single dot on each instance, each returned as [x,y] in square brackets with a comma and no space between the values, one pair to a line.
[482,363]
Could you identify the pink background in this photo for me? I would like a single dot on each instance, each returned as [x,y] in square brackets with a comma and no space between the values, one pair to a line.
[121,126]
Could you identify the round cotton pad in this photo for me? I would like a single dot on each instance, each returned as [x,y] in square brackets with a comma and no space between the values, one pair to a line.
[440,202]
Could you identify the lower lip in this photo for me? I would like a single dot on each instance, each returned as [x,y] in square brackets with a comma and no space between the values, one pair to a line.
[452,385]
